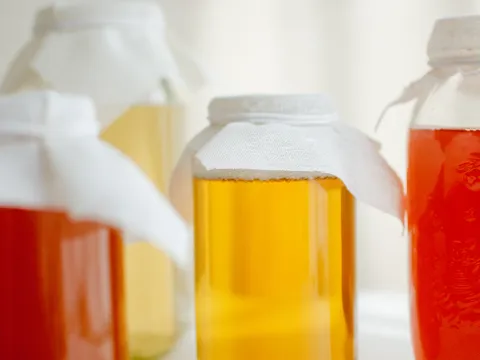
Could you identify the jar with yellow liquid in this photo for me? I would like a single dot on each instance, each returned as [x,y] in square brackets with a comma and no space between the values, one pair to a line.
[118,53]
[274,181]
[148,134]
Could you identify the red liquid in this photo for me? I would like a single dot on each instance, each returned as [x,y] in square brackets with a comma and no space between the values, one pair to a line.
[61,289]
[444,225]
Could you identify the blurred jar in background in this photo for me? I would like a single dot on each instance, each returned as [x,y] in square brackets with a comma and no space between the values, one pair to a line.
[149,134]
[443,184]
[118,54]
[66,198]
[273,185]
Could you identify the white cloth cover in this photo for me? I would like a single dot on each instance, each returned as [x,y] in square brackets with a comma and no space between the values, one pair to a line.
[268,137]
[51,158]
[454,54]
[115,51]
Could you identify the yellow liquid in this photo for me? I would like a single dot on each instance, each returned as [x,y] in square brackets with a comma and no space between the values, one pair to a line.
[275,269]
[149,136]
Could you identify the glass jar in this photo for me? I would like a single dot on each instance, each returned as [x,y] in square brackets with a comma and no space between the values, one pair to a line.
[117,53]
[273,178]
[443,183]
[149,135]
[62,288]
[67,202]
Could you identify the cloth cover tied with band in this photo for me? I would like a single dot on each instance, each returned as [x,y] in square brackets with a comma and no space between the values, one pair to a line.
[116,52]
[454,53]
[51,158]
[258,136]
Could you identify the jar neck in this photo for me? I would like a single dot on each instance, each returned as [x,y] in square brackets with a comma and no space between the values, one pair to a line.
[451,69]
[264,119]
[455,62]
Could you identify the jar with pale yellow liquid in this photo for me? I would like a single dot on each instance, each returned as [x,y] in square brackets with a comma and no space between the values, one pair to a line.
[147,134]
[273,186]
[118,53]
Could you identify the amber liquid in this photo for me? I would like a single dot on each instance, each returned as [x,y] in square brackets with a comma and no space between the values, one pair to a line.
[149,136]
[275,275]
[444,226]
[61,289]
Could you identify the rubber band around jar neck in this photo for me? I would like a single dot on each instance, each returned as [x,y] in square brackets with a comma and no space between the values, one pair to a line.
[266,119]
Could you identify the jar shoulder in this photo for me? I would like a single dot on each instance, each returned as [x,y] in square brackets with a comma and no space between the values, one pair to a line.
[453,104]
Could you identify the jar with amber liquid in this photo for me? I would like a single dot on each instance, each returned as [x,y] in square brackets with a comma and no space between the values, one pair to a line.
[118,54]
[67,200]
[274,180]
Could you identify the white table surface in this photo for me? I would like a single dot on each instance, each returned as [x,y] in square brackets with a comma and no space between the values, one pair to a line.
[382,323]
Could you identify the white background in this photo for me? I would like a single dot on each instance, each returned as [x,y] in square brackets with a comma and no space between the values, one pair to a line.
[361,52]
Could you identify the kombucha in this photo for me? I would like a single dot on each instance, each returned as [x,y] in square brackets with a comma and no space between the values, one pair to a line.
[444,227]
[61,286]
[150,136]
[275,269]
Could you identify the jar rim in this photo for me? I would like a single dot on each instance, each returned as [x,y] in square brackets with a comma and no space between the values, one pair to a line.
[269,108]
[455,40]
[85,15]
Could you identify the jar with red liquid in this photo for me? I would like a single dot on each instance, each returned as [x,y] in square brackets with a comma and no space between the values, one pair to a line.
[67,202]
[443,195]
